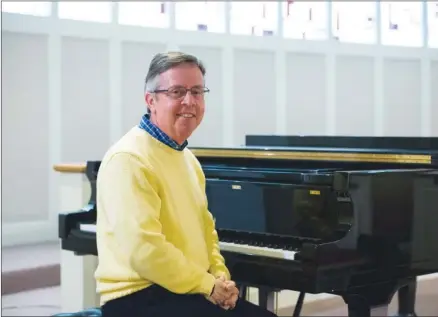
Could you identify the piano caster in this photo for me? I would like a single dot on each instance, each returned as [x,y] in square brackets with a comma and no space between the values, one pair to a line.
[406,299]
[371,300]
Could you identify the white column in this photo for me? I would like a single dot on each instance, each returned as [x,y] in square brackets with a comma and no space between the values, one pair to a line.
[55,114]
[426,94]
[78,287]
[379,106]
[330,73]
[280,70]
[228,84]
[115,78]
[426,87]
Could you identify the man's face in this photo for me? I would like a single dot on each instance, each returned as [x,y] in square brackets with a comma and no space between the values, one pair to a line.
[174,112]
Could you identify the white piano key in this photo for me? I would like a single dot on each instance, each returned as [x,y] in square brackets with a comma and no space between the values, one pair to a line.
[87,227]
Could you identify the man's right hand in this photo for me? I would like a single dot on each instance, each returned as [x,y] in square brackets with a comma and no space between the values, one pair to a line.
[224,294]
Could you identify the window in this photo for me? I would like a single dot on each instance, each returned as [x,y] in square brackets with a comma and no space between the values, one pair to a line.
[402,23]
[432,18]
[148,14]
[85,11]
[354,22]
[254,18]
[42,9]
[200,16]
[305,20]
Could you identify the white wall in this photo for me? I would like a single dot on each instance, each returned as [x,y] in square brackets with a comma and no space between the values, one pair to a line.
[70,88]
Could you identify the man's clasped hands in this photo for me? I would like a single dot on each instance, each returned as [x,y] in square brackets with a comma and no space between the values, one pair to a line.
[225,293]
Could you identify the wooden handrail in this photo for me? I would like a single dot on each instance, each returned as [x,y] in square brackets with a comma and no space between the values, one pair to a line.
[70,167]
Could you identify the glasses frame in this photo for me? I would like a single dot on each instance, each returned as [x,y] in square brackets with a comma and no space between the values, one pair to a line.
[185,90]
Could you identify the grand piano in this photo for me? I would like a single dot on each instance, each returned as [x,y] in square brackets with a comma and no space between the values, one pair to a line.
[351,216]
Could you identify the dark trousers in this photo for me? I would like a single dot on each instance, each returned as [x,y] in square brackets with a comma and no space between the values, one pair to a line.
[156,301]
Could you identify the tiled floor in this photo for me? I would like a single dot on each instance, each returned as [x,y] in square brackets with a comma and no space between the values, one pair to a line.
[41,302]
[29,256]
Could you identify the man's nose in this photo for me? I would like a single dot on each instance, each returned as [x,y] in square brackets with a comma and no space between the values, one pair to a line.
[189,99]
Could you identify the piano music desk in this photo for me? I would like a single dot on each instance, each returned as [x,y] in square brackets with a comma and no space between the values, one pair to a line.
[77,272]
[78,287]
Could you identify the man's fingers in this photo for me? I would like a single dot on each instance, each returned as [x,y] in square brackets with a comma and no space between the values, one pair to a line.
[232,289]
[231,303]
[232,299]
[231,285]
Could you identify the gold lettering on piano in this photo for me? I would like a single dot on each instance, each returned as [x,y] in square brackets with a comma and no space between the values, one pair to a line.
[314,192]
[236,187]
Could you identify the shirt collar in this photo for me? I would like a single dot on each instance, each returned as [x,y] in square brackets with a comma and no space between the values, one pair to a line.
[158,134]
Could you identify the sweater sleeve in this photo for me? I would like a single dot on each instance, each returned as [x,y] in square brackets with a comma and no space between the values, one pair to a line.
[217,261]
[128,190]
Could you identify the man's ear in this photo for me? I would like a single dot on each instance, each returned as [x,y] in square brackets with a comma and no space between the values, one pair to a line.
[150,101]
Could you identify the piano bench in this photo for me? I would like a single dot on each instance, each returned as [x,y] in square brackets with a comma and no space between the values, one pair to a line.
[91,312]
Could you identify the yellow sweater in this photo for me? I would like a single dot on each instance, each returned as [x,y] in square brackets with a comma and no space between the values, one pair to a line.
[153,225]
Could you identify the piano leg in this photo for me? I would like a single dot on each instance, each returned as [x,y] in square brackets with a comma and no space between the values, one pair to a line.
[242,290]
[267,299]
[406,299]
[371,300]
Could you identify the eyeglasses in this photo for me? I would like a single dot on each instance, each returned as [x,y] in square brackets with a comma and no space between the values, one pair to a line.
[180,92]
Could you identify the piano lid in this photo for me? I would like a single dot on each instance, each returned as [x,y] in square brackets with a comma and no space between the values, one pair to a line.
[358,142]
[417,151]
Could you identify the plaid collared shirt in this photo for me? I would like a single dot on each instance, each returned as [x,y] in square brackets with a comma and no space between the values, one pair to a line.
[156,132]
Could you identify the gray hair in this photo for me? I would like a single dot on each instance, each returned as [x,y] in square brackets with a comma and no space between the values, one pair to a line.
[162,62]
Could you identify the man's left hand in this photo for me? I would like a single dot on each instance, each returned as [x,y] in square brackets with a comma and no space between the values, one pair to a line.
[233,291]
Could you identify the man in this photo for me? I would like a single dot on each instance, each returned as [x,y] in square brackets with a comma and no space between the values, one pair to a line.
[157,243]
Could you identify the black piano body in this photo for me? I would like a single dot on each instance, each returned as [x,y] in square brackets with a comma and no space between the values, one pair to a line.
[355,217]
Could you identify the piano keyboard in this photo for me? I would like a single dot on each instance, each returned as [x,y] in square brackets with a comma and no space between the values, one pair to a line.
[231,247]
